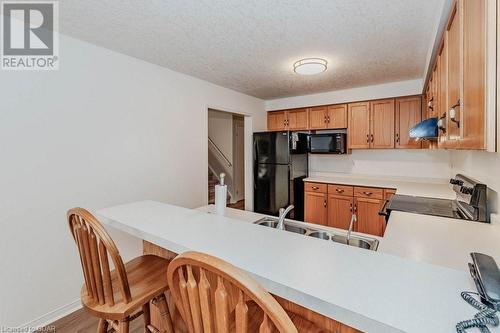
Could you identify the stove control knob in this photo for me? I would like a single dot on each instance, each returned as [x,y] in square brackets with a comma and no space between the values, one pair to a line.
[466,190]
[456,182]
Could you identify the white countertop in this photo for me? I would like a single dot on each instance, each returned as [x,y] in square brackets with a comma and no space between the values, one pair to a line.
[371,291]
[438,240]
[423,187]
[430,239]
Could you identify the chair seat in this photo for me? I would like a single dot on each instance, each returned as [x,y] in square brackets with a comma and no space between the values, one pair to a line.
[255,316]
[147,278]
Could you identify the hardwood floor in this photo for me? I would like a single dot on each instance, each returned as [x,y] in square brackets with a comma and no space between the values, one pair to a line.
[82,322]
[239,205]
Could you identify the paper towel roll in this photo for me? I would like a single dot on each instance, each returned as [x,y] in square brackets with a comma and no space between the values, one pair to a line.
[220,199]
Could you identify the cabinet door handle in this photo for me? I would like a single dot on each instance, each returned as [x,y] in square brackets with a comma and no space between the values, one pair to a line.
[453,114]
[350,207]
[397,137]
[339,190]
[367,193]
[372,137]
[368,138]
[355,208]
[325,119]
[324,203]
[328,119]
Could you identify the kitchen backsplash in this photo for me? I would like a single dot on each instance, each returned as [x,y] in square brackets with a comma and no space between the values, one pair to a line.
[397,163]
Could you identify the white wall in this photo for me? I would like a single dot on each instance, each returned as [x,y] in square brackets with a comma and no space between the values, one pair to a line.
[428,164]
[103,130]
[220,130]
[484,167]
[393,89]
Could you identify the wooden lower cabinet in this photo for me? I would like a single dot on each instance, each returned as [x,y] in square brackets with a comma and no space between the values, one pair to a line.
[340,209]
[333,205]
[369,222]
[316,210]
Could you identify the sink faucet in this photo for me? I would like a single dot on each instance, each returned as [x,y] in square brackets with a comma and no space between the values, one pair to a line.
[351,225]
[281,220]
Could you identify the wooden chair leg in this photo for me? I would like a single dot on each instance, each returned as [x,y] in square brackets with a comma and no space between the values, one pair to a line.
[161,302]
[103,326]
[123,326]
[147,316]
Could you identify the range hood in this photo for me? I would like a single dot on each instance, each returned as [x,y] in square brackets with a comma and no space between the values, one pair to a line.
[425,130]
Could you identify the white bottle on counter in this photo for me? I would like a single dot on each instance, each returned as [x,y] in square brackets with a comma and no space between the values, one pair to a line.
[221,196]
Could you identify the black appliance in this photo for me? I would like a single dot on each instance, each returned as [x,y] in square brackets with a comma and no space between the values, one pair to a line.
[328,143]
[280,166]
[470,202]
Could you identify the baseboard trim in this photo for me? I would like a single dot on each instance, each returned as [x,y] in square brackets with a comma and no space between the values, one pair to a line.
[52,316]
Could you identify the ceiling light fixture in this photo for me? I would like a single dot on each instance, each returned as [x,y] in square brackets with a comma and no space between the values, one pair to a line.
[310,66]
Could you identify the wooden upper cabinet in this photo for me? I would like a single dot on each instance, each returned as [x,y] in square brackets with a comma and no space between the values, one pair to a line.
[442,112]
[474,75]
[337,116]
[453,75]
[382,124]
[328,117]
[318,117]
[435,92]
[425,103]
[276,121]
[359,125]
[408,114]
[340,210]
[297,119]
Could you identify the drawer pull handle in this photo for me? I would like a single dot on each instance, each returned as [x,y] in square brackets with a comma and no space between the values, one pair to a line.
[339,190]
[315,188]
[367,193]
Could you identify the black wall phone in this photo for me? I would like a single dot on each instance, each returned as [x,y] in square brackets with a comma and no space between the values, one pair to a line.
[486,275]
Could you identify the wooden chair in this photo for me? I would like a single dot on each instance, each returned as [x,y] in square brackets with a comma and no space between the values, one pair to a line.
[213,296]
[121,295]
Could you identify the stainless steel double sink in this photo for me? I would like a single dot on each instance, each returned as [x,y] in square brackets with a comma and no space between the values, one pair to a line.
[299,228]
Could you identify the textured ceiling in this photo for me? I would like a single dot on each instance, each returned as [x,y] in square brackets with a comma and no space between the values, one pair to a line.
[250,45]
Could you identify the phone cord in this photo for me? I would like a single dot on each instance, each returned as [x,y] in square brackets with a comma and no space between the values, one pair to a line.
[485,316]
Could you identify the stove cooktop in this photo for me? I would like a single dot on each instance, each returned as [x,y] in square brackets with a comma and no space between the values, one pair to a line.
[426,206]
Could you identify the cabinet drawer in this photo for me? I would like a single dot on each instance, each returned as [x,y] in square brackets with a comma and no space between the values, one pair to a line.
[368,192]
[388,193]
[340,190]
[315,187]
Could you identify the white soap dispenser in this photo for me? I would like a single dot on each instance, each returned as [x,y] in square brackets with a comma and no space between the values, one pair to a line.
[221,196]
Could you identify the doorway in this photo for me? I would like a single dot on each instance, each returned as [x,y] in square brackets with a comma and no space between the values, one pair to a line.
[226,154]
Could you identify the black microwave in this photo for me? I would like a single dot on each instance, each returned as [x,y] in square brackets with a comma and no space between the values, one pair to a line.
[328,143]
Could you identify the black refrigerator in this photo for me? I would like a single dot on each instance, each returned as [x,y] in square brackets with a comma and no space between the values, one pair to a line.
[280,166]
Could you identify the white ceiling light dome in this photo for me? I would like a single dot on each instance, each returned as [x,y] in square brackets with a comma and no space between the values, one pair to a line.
[310,66]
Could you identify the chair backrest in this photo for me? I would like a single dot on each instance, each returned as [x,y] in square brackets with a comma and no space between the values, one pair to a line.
[95,247]
[213,296]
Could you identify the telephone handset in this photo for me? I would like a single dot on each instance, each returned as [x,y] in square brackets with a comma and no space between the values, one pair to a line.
[486,275]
